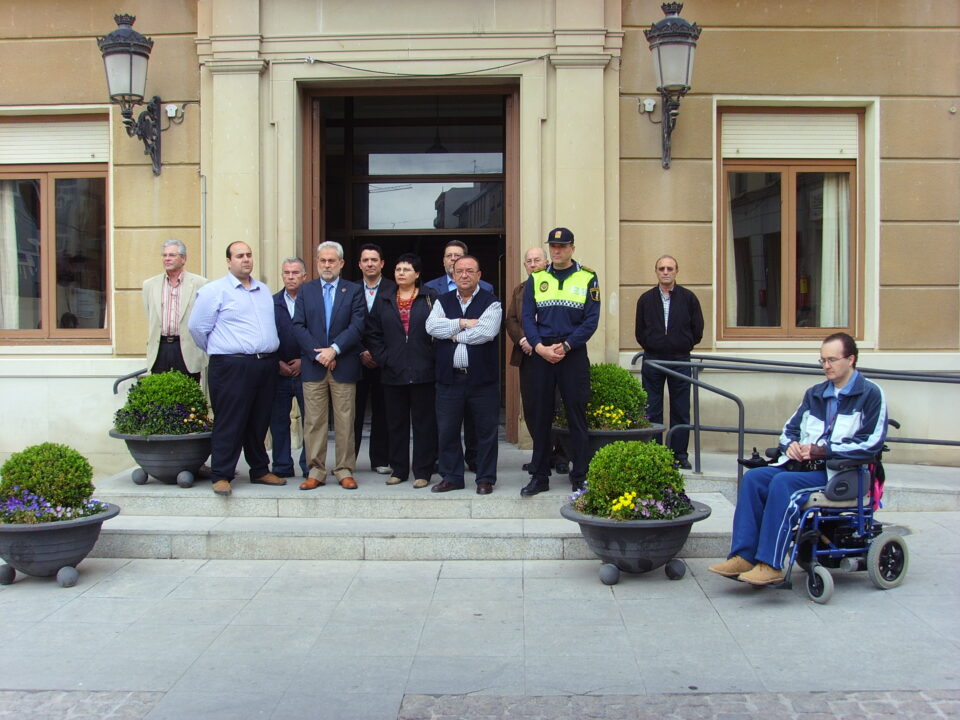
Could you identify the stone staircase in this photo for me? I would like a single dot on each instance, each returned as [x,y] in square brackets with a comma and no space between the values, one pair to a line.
[381,522]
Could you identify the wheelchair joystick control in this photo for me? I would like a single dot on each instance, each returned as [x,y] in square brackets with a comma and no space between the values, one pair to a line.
[754,461]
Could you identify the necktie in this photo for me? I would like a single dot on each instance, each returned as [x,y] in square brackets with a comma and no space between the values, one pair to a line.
[328,303]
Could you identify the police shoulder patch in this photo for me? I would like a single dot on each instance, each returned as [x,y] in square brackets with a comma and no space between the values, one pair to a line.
[595,293]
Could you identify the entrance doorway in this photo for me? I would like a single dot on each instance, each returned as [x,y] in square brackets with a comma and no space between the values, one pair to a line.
[411,169]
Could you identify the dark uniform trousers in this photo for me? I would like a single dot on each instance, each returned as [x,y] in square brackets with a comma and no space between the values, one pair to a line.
[242,388]
[572,377]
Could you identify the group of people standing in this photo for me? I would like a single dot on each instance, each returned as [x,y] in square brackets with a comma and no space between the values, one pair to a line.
[423,355]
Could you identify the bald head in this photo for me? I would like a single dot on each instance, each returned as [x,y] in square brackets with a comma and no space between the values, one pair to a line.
[534,260]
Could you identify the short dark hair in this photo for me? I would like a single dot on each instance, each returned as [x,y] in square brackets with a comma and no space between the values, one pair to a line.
[412,259]
[230,247]
[456,243]
[371,246]
[849,345]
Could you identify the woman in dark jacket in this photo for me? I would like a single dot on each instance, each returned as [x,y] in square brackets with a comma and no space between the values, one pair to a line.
[396,336]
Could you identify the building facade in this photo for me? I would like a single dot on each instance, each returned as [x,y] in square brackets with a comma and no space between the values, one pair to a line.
[814,184]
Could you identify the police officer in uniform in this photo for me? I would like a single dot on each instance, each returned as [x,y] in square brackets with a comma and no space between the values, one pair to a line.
[561,309]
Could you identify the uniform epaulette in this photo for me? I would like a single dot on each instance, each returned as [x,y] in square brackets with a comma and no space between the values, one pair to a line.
[589,270]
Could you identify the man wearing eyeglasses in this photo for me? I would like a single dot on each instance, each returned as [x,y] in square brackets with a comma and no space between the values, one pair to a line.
[842,417]
[466,325]
[669,325]
[446,283]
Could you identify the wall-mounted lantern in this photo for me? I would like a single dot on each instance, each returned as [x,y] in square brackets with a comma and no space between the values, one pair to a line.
[673,41]
[125,56]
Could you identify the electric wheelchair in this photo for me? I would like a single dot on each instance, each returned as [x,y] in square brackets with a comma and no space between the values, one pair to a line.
[837,529]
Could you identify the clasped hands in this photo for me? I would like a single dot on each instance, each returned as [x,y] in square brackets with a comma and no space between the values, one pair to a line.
[796,451]
[326,357]
[551,353]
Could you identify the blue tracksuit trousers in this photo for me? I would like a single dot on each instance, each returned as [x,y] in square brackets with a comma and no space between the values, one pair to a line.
[768,506]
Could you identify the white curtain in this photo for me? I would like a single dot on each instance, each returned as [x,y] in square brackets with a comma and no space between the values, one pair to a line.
[730,273]
[9,264]
[835,253]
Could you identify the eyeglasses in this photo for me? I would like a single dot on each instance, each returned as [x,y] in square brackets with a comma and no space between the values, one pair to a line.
[829,361]
[665,269]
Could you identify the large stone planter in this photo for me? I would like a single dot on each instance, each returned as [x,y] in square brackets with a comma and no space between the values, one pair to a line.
[169,458]
[50,548]
[602,438]
[636,546]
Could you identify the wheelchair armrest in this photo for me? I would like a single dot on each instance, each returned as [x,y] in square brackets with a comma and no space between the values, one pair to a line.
[772,453]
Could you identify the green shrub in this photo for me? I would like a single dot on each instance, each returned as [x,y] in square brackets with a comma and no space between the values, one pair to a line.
[169,403]
[617,400]
[58,473]
[629,480]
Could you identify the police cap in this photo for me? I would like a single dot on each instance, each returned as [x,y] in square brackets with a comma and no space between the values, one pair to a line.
[560,236]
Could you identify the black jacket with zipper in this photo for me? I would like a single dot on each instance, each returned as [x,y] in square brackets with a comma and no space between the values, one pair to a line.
[683,332]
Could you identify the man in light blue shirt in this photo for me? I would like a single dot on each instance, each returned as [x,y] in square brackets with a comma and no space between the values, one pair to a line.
[233,322]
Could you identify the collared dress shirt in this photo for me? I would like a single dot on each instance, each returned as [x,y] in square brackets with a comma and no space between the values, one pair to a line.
[170,306]
[486,329]
[229,318]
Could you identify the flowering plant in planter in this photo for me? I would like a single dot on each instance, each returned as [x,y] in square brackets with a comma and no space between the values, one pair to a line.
[629,480]
[167,403]
[46,483]
[617,400]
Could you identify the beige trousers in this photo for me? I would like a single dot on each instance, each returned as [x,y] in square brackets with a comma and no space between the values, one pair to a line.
[316,424]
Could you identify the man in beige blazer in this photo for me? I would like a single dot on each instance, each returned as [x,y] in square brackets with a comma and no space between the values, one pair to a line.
[167,301]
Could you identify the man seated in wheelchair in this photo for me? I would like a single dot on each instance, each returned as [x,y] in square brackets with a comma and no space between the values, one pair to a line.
[844,417]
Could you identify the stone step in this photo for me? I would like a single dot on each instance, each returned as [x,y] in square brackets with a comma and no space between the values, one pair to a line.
[365,538]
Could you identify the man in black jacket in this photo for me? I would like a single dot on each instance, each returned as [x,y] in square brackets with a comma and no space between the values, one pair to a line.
[669,326]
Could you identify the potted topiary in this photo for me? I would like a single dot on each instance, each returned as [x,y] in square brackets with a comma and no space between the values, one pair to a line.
[48,521]
[634,513]
[167,427]
[616,410]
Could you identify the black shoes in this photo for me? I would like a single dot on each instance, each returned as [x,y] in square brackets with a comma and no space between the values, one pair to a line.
[684,465]
[577,485]
[535,487]
[562,467]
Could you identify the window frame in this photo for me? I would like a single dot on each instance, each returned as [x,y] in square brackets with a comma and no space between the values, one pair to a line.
[789,168]
[49,333]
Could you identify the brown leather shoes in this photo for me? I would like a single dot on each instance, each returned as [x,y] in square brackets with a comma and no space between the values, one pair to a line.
[311,483]
[348,483]
[445,486]
[484,488]
[268,479]
[222,487]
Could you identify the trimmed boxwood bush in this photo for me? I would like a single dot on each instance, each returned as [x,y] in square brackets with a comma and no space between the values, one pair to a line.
[169,403]
[629,480]
[57,473]
[617,400]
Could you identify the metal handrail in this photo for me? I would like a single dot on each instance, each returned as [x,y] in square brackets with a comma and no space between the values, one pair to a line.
[718,362]
[129,376]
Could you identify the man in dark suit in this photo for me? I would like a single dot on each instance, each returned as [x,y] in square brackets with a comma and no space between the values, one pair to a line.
[328,323]
[375,285]
[466,325]
[453,251]
[289,382]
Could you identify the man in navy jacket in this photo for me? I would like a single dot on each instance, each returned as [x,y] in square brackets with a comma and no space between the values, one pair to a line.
[843,417]
[328,323]
[293,271]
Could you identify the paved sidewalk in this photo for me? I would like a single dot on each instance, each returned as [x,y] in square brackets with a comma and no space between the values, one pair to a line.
[479,639]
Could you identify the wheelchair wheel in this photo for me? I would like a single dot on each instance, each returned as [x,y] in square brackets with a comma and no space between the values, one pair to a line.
[887,560]
[819,584]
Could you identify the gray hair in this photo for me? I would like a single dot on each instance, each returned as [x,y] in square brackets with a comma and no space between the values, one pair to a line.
[331,245]
[181,248]
[291,260]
